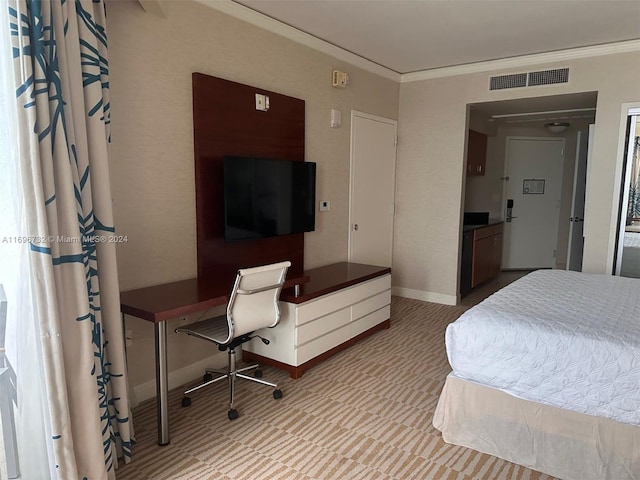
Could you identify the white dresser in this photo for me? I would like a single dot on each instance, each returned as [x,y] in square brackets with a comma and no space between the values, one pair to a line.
[341,304]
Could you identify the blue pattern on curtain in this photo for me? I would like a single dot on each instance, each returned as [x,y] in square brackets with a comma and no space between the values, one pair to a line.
[60,55]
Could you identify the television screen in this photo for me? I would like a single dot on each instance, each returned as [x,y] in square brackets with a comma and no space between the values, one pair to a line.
[268,197]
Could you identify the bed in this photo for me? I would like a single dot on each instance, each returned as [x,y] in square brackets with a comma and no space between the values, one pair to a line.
[631,255]
[546,374]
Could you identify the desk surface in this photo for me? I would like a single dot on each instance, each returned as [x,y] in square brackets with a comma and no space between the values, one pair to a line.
[331,278]
[172,300]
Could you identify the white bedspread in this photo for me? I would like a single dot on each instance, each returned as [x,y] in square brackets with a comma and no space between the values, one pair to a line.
[562,338]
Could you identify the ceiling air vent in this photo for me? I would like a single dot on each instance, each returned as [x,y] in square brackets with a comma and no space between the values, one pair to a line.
[548,77]
[508,81]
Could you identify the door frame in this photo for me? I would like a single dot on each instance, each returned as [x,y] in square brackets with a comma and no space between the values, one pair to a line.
[624,177]
[368,116]
[579,145]
[506,184]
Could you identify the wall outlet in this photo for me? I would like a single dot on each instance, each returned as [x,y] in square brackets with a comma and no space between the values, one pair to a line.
[325,205]
[128,336]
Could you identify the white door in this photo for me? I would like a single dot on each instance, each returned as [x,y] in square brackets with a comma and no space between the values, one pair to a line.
[576,221]
[534,170]
[373,167]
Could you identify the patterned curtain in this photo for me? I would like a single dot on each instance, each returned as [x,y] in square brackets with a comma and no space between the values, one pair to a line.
[62,89]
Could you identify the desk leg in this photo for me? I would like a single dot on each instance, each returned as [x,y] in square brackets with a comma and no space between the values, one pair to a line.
[162,384]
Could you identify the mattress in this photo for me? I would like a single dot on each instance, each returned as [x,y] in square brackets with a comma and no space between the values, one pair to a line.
[561,338]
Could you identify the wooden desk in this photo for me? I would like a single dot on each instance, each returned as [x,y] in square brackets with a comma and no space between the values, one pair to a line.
[164,302]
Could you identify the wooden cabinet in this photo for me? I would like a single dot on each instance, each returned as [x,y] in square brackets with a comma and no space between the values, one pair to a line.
[476,153]
[487,253]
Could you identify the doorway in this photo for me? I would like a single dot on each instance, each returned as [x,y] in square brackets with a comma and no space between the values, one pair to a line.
[533,170]
[485,193]
[372,189]
[627,252]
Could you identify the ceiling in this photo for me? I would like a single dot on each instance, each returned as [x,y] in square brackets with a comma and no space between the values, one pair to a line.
[416,35]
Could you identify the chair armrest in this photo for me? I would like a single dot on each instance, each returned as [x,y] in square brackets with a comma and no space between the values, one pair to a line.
[242,291]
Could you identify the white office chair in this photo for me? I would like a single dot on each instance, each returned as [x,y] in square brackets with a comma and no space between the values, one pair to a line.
[7,397]
[253,305]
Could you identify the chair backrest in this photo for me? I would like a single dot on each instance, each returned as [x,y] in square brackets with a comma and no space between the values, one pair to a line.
[3,323]
[254,300]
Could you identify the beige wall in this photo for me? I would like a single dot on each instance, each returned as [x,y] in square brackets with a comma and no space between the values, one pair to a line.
[151,61]
[430,181]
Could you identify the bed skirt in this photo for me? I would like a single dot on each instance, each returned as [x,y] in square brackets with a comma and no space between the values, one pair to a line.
[562,443]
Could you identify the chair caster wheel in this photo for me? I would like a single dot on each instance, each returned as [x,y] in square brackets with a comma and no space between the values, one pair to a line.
[186,401]
[207,377]
[232,414]
[277,394]
[257,373]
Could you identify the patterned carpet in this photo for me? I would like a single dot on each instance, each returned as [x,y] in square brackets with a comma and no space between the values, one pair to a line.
[363,414]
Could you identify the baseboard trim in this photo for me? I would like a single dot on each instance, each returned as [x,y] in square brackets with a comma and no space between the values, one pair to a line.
[425,296]
[145,391]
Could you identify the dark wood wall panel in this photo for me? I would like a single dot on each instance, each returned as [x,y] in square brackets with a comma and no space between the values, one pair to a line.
[225,122]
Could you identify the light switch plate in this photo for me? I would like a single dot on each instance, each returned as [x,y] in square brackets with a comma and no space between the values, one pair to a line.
[336,118]
[262,102]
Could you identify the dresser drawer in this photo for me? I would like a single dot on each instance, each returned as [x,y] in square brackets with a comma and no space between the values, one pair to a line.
[339,300]
[371,304]
[368,321]
[320,345]
[321,326]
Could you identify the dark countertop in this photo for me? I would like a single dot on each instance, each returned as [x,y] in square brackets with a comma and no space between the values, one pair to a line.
[331,278]
[172,300]
[470,228]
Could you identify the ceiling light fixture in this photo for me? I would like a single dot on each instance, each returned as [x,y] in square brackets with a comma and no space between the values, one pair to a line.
[556,127]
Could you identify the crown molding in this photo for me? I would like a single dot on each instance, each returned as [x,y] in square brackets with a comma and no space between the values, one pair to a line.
[265,22]
[524,61]
[248,15]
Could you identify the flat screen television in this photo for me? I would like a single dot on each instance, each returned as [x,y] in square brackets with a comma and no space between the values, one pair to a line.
[268,197]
